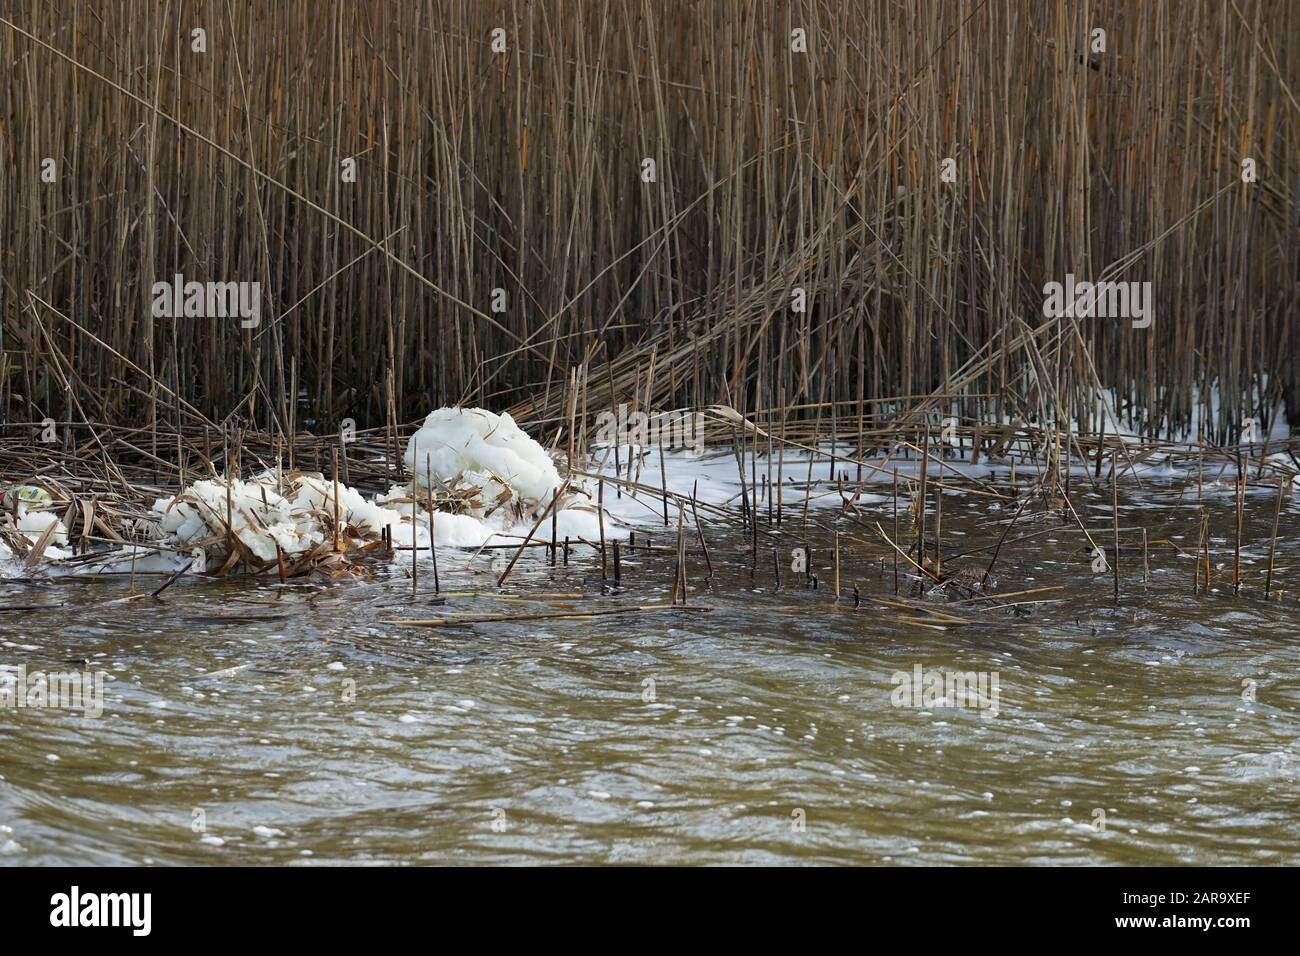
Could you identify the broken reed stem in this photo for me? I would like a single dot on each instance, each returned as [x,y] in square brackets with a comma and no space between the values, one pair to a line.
[744,485]
[335,463]
[1114,516]
[984,581]
[1272,542]
[572,415]
[172,580]
[554,516]
[681,547]
[938,532]
[770,495]
[920,498]
[699,530]
[600,518]
[663,480]
[1196,558]
[812,458]
[905,556]
[230,525]
[1236,549]
[896,529]
[1205,549]
[837,565]
[433,546]
[780,461]
[415,477]
[753,510]
[537,524]
[679,570]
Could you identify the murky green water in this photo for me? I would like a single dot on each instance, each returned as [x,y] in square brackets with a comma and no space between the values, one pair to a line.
[760,732]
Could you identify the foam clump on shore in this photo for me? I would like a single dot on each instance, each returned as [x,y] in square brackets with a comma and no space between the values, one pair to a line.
[476,479]
[296,514]
[29,521]
[481,472]
[458,447]
[34,523]
[260,518]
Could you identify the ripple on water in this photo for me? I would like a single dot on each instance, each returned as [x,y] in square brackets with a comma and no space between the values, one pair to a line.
[761,732]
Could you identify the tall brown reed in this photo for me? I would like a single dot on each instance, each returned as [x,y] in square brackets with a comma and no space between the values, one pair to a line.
[775,171]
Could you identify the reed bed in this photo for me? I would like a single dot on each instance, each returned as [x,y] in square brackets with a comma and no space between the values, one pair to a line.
[775,171]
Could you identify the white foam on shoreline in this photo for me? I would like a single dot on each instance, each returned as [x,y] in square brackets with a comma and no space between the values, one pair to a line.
[501,480]
[489,452]
[32,524]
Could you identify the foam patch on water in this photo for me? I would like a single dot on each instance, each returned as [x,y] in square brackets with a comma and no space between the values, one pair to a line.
[491,481]
[497,477]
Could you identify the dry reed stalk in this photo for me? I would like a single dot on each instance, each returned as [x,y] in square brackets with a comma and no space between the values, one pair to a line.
[1114,518]
[775,170]
[1239,488]
[600,518]
[895,530]
[837,566]
[938,532]
[1146,566]
[415,568]
[1282,485]
[433,544]
[699,530]
[554,517]
[533,530]
[1205,550]
[335,470]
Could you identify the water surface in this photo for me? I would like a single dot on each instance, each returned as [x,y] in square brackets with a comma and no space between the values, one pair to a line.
[762,731]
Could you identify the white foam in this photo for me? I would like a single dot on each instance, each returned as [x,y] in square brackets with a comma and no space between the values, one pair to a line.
[490,451]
